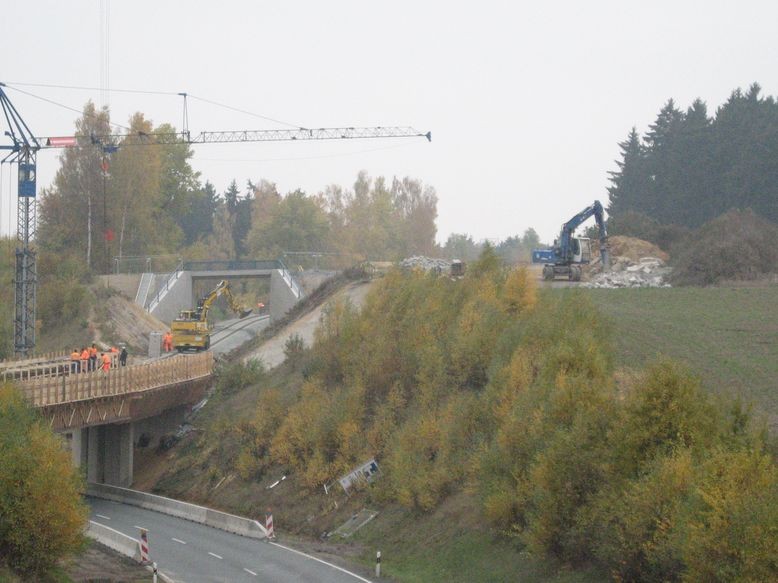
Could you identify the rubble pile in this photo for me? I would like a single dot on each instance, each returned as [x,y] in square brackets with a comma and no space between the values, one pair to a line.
[634,249]
[624,272]
[426,264]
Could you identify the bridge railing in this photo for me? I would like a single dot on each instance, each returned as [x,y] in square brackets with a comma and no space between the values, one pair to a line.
[169,281]
[45,391]
[231,265]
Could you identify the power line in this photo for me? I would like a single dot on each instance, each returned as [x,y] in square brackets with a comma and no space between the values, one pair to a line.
[58,104]
[84,88]
[260,116]
[153,92]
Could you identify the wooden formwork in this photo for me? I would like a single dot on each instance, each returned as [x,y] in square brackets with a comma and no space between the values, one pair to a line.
[69,387]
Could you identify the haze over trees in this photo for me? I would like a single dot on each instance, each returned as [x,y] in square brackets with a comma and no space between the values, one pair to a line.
[691,166]
[130,198]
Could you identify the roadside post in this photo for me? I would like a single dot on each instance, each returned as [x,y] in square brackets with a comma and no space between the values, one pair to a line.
[271,533]
[144,546]
[154,572]
[378,564]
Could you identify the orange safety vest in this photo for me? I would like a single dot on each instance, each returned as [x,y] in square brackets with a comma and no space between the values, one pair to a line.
[106,362]
[75,355]
[85,354]
[114,349]
[92,352]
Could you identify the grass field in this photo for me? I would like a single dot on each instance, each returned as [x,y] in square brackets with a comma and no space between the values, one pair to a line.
[729,336]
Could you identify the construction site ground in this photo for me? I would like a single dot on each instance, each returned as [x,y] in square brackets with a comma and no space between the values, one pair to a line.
[271,352]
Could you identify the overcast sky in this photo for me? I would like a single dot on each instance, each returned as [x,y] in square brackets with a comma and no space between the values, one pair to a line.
[526,101]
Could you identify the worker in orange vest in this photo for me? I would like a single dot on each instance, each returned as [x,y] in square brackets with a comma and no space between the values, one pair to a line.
[167,341]
[84,359]
[75,357]
[106,362]
[93,357]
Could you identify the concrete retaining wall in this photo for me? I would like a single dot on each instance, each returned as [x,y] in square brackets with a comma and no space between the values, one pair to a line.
[114,539]
[282,298]
[199,514]
[178,297]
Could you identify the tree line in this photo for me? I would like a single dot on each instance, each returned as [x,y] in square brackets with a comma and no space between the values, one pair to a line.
[691,167]
[112,197]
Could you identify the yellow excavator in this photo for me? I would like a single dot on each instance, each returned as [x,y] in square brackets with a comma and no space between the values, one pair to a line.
[191,329]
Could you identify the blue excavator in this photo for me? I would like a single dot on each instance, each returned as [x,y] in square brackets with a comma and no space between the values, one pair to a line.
[569,253]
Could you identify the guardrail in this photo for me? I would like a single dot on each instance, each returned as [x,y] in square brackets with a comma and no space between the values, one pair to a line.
[39,358]
[169,281]
[113,539]
[192,512]
[81,386]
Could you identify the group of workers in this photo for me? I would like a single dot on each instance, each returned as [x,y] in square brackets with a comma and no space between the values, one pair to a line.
[85,360]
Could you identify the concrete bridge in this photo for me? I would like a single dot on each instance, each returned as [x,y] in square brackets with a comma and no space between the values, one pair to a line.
[167,294]
[101,414]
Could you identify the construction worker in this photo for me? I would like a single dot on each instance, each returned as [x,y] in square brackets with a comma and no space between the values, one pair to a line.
[106,360]
[84,359]
[75,358]
[167,341]
[123,356]
[93,357]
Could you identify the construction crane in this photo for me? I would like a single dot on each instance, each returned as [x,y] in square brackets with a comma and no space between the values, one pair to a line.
[23,151]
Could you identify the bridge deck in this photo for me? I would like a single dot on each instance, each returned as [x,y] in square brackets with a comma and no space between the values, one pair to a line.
[45,391]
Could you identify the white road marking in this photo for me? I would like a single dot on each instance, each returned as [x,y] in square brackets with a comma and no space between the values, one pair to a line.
[103,516]
[140,527]
[178,540]
[249,571]
[214,555]
[341,569]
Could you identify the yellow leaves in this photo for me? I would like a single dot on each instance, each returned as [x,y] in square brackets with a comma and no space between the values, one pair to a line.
[519,292]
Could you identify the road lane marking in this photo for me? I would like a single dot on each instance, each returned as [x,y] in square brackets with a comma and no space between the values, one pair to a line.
[249,571]
[140,527]
[178,540]
[214,555]
[341,569]
[103,516]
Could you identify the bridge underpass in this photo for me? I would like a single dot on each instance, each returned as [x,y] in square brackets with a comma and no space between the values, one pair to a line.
[176,290]
[101,414]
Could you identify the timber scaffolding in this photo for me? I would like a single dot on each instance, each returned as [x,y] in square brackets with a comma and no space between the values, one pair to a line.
[45,390]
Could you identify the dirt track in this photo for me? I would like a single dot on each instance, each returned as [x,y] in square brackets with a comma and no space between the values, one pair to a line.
[271,352]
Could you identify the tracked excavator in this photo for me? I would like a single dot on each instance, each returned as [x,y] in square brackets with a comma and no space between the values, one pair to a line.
[191,329]
[570,253]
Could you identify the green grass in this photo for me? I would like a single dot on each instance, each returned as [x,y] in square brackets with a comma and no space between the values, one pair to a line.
[729,336]
[452,545]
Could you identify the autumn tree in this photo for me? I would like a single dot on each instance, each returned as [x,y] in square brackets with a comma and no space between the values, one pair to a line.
[42,516]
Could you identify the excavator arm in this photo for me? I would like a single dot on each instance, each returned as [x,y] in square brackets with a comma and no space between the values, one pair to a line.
[223,287]
[565,244]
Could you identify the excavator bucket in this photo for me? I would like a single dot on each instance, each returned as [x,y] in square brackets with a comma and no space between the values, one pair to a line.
[244,313]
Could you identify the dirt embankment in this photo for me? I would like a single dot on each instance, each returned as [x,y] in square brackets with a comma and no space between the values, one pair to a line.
[271,351]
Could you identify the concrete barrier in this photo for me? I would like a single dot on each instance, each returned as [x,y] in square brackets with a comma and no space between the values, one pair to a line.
[113,539]
[200,514]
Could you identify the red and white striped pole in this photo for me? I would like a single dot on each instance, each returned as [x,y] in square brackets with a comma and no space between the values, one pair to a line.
[144,546]
[271,533]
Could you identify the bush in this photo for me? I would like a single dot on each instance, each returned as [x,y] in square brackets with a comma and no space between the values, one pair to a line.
[41,513]
[232,377]
[734,535]
[640,226]
[737,246]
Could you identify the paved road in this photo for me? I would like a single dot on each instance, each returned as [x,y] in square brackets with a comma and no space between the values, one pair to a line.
[193,553]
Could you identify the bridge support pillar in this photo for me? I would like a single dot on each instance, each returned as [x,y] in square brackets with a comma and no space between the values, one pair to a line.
[118,454]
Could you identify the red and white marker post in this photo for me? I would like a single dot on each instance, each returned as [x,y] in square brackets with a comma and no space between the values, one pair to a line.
[144,546]
[271,533]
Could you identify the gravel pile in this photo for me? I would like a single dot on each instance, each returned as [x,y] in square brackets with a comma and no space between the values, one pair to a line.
[426,264]
[646,272]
